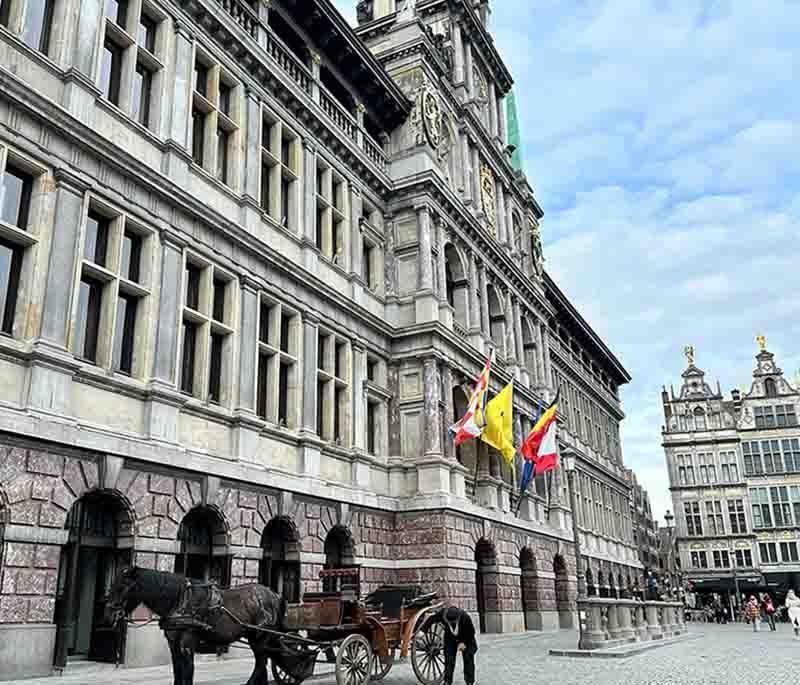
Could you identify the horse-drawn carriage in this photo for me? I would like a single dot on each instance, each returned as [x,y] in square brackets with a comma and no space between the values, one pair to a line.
[361,636]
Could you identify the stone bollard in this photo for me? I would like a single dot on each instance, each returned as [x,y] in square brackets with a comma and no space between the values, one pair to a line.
[653,624]
[664,619]
[641,623]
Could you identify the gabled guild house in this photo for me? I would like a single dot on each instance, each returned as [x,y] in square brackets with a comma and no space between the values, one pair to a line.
[250,259]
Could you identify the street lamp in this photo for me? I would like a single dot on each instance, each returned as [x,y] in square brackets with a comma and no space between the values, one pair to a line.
[669,519]
[568,464]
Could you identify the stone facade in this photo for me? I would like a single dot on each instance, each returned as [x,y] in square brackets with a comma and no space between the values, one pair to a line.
[251,279]
[645,527]
[733,475]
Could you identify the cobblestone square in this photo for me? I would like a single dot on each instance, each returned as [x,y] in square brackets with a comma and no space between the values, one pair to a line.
[715,655]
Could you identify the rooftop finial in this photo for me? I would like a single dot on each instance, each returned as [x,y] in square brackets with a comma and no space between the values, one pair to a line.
[689,352]
[762,342]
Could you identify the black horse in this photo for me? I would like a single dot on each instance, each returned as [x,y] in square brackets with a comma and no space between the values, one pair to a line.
[193,612]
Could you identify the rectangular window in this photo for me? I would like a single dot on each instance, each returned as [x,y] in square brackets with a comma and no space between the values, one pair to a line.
[10,269]
[88,328]
[699,560]
[744,558]
[111,72]
[338,405]
[789,552]
[366,264]
[721,559]
[283,394]
[37,24]
[285,331]
[321,408]
[263,323]
[694,525]
[5,12]
[220,288]
[781,509]
[371,427]
[771,456]
[222,155]
[198,136]
[146,33]
[791,455]
[142,89]
[372,370]
[752,459]
[767,552]
[131,256]
[117,11]
[188,357]
[201,78]
[16,187]
[714,517]
[215,368]
[762,518]
[225,99]
[125,334]
[736,516]
[193,276]
[266,171]
[95,244]
[263,384]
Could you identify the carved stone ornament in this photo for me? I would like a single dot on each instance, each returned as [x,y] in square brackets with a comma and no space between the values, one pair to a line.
[431,116]
[537,253]
[488,199]
[481,87]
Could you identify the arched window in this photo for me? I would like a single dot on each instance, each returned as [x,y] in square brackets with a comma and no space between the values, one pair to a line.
[699,419]
[497,321]
[456,286]
[770,388]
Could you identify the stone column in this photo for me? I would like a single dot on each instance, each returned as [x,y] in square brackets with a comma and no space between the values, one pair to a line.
[432,418]
[61,274]
[476,180]
[308,186]
[467,171]
[641,622]
[502,228]
[316,63]
[310,365]
[474,294]
[248,341]
[169,306]
[426,306]
[625,627]
[518,333]
[493,126]
[613,622]
[502,118]
[511,337]
[359,397]
[177,104]
[548,373]
[449,409]
[653,624]
[441,265]
[89,23]
[356,242]
[468,78]
[458,53]
[484,299]
[252,143]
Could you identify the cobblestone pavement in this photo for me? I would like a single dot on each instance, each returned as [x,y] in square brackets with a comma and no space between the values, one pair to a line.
[722,655]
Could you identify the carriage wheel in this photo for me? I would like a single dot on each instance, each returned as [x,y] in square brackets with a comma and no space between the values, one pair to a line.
[381,669]
[353,661]
[427,655]
[282,676]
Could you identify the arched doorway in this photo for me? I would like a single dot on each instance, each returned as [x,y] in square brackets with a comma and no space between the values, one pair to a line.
[204,553]
[562,592]
[485,590]
[99,545]
[339,554]
[279,568]
[456,286]
[530,590]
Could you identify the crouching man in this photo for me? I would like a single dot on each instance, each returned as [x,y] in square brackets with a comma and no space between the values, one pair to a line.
[459,635]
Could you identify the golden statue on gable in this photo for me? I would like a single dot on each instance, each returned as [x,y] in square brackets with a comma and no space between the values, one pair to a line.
[689,352]
[762,342]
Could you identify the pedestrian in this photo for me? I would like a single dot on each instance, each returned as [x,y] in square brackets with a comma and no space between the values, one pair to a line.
[793,607]
[753,612]
[459,635]
[769,610]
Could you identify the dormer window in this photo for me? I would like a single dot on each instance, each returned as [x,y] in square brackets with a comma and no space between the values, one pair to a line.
[699,419]
[770,388]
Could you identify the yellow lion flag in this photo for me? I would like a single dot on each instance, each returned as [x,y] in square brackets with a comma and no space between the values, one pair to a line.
[499,429]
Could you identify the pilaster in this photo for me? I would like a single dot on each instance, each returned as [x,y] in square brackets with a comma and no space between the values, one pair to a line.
[426,306]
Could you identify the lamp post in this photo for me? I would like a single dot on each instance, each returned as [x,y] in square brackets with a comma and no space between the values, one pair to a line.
[568,464]
[669,519]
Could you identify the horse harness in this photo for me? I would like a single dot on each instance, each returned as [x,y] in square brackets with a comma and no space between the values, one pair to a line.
[197,604]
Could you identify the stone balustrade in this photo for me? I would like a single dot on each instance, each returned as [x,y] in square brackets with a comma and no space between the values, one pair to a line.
[608,622]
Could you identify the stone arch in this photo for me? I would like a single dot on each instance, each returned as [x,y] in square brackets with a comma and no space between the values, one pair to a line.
[467,452]
[204,545]
[487,585]
[279,566]
[100,541]
[621,590]
[529,584]
[591,588]
[563,604]
[456,275]
[497,318]
[340,552]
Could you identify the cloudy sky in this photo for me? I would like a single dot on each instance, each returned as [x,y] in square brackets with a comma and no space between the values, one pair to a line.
[662,139]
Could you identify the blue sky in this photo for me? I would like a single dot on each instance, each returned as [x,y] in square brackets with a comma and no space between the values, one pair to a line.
[662,139]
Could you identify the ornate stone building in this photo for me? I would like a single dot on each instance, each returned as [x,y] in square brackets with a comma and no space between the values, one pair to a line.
[645,527]
[733,468]
[246,273]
